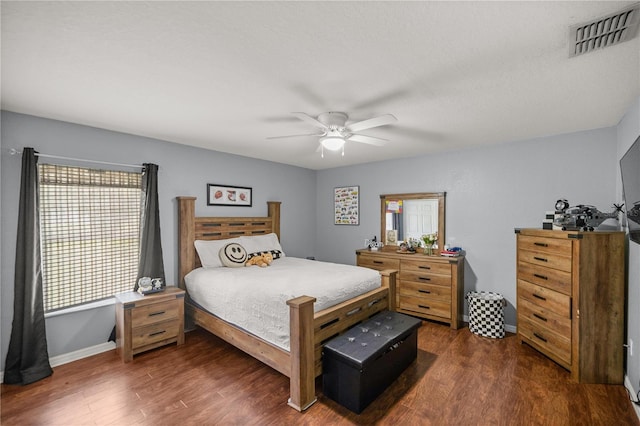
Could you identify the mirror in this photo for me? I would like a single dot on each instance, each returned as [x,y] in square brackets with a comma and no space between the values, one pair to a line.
[405,216]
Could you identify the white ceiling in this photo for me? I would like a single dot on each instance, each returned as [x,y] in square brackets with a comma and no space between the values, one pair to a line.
[226,75]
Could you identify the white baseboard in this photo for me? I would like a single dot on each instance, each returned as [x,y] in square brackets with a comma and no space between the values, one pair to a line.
[81,353]
[634,392]
[76,355]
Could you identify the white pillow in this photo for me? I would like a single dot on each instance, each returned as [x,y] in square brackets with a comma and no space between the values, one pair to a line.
[256,243]
[208,251]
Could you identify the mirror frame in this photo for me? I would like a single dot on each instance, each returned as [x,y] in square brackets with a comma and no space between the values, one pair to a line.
[440,196]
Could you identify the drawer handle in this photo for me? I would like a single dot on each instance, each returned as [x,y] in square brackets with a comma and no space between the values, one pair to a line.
[542,277]
[424,267]
[424,278]
[541,259]
[540,337]
[541,244]
[156,333]
[423,307]
[424,291]
[153,314]
[540,317]
[537,296]
[378,262]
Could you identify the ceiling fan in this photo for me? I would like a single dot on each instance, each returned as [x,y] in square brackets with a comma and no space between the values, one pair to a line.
[334,131]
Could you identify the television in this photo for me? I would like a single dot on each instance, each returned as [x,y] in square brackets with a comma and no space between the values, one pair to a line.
[630,169]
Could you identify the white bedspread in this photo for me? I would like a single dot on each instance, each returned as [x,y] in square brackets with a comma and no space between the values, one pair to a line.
[254,298]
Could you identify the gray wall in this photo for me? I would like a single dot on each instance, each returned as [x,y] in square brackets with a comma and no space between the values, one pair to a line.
[490,192]
[183,171]
[628,132]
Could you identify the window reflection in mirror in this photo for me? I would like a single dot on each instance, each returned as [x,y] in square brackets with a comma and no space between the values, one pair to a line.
[407,216]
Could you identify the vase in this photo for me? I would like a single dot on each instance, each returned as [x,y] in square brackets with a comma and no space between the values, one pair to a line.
[428,250]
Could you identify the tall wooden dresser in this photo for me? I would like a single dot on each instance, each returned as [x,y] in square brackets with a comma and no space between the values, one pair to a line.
[428,286]
[570,300]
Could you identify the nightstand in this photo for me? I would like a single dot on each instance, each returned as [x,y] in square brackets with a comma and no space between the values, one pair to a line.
[148,322]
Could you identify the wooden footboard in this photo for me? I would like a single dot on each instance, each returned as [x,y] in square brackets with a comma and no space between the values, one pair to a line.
[308,331]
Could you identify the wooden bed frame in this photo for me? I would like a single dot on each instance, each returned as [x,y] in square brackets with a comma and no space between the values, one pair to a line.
[308,330]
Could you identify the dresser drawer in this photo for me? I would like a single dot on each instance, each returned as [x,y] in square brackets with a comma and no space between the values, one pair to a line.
[429,291]
[155,312]
[554,279]
[544,298]
[545,260]
[420,265]
[544,318]
[377,262]
[425,305]
[426,278]
[549,246]
[549,342]
[146,335]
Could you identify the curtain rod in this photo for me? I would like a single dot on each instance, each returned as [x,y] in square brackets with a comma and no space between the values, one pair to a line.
[138,166]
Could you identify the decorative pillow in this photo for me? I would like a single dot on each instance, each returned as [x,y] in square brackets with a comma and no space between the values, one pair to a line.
[259,243]
[209,251]
[276,254]
[233,255]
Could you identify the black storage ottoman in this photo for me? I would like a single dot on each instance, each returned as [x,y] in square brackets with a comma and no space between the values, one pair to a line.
[360,364]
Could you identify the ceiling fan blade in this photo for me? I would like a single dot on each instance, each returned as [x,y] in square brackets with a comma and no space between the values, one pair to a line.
[294,136]
[306,117]
[368,140]
[372,122]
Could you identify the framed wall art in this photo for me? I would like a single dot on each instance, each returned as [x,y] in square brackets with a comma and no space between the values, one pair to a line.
[225,195]
[346,205]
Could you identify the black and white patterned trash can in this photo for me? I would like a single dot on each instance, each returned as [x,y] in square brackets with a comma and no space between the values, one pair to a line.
[486,313]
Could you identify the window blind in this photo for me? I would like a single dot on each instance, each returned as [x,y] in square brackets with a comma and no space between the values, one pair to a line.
[90,231]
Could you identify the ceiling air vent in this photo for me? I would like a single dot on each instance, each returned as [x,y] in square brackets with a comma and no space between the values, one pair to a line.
[605,31]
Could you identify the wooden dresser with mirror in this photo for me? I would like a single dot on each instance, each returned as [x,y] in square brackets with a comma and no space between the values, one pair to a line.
[428,286]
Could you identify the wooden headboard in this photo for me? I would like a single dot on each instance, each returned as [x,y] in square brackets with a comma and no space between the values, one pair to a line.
[191,228]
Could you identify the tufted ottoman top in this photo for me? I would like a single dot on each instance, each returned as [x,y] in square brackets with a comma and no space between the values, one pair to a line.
[367,341]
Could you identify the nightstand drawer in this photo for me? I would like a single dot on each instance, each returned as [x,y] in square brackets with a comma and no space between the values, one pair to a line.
[148,322]
[154,313]
[142,336]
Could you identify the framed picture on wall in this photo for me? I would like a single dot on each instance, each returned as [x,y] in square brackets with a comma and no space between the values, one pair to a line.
[225,195]
[346,205]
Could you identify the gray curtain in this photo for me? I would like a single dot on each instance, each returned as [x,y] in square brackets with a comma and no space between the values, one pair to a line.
[27,358]
[151,263]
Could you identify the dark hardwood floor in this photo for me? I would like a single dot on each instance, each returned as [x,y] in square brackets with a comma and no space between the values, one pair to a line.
[458,378]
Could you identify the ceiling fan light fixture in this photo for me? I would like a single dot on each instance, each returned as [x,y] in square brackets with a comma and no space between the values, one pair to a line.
[332,143]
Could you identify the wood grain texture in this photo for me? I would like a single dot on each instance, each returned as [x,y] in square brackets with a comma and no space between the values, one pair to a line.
[418,274]
[147,322]
[308,331]
[458,378]
[577,276]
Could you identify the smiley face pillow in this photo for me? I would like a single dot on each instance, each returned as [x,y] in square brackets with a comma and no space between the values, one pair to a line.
[233,255]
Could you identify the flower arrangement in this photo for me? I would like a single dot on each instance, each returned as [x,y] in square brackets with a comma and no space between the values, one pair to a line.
[429,239]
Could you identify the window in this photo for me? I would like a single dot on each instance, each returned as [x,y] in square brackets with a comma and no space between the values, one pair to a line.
[90,233]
